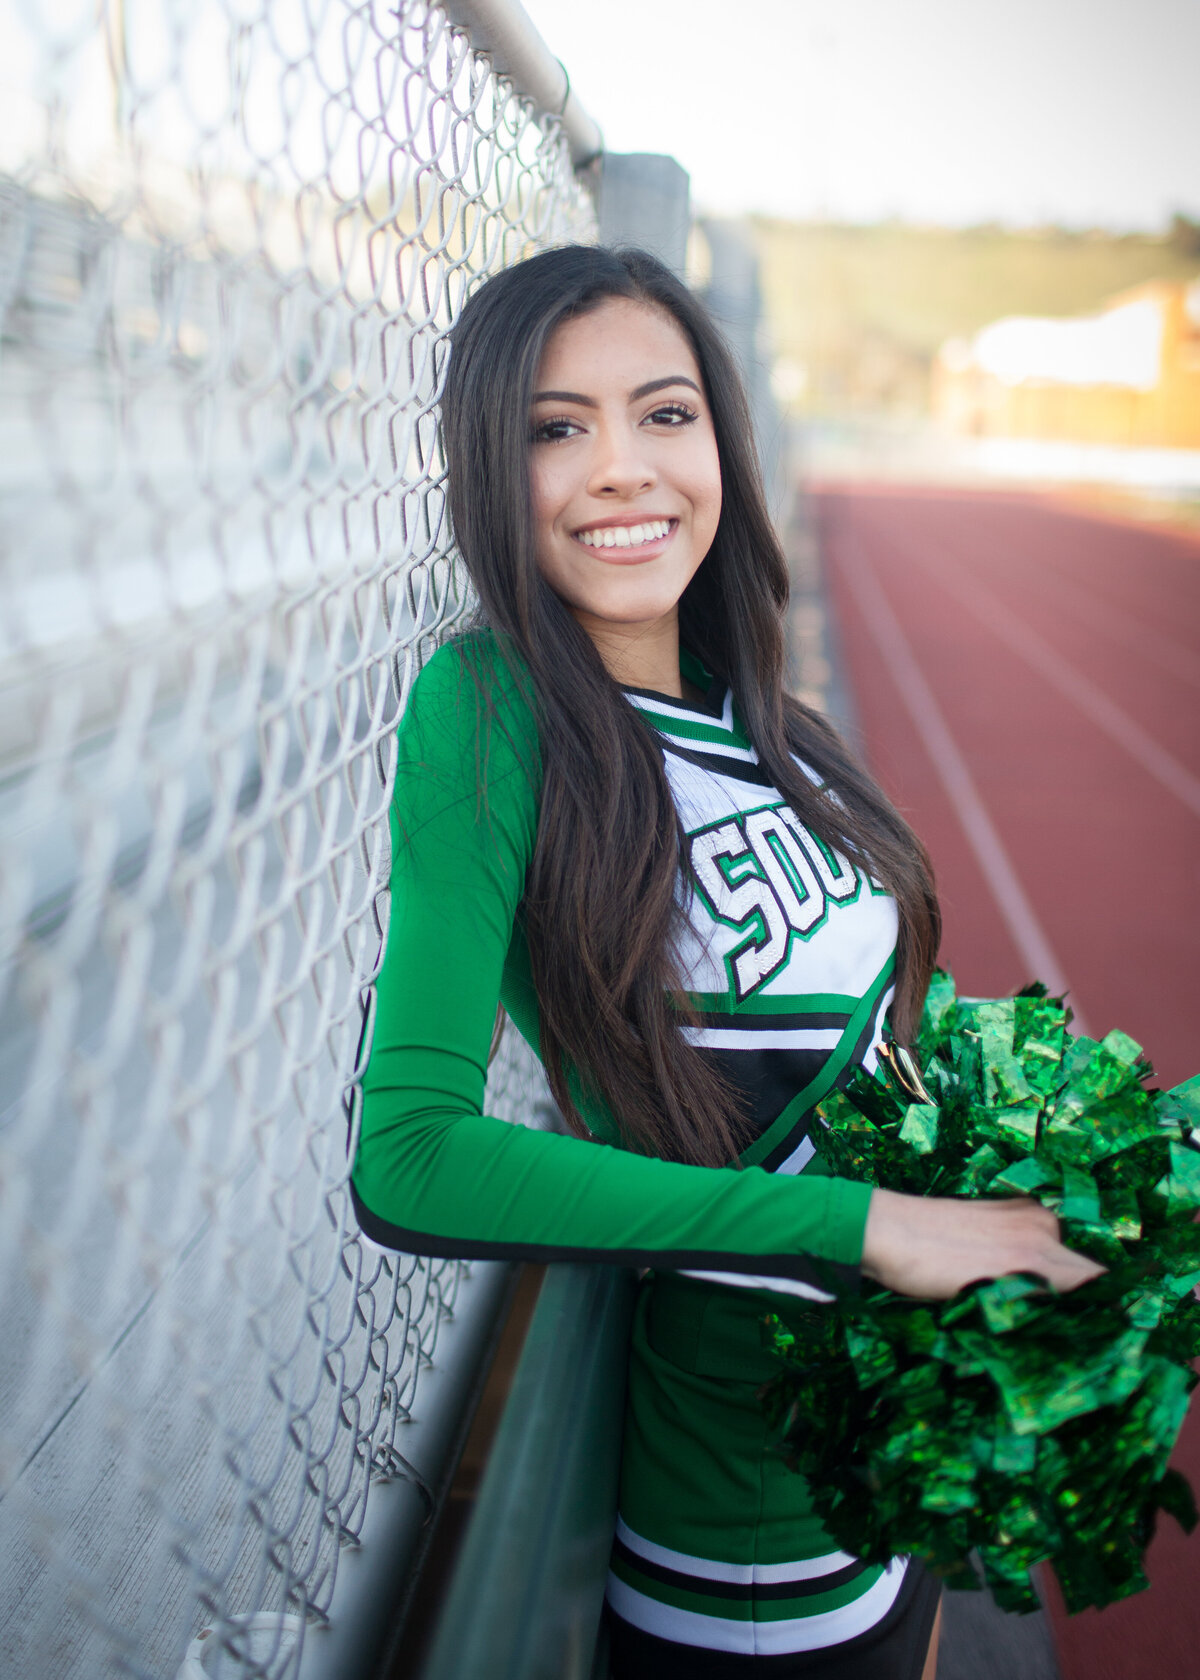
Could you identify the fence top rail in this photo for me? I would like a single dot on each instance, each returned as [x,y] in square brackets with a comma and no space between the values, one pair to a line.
[504,29]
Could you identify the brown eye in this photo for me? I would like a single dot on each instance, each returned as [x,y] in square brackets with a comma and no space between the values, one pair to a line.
[672,414]
[553,430]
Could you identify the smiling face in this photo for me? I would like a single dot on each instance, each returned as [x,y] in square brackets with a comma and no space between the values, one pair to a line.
[624,473]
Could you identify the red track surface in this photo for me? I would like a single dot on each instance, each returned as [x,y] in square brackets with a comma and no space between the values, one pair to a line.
[1028,686]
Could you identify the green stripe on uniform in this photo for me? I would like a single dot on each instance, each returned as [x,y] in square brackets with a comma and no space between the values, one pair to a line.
[684,729]
[703,1603]
[807,1003]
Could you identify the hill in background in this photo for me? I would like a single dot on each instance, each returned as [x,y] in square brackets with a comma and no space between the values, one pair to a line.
[856,314]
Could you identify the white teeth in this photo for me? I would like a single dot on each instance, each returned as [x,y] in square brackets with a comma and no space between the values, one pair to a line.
[625,536]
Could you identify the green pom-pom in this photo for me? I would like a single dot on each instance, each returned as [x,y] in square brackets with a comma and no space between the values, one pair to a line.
[1011,1421]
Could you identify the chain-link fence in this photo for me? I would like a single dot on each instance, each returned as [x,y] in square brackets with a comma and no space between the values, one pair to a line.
[232,236]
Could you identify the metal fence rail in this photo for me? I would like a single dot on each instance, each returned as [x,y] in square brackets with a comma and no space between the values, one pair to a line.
[232,236]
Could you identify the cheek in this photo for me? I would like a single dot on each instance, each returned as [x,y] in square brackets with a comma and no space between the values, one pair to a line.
[706,495]
[548,496]
[539,495]
[546,504]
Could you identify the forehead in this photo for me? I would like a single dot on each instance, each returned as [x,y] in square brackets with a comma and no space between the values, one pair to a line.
[619,344]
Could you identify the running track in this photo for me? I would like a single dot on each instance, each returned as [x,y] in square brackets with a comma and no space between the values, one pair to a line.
[1027,680]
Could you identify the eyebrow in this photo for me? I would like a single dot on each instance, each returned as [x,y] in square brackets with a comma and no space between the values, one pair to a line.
[641,391]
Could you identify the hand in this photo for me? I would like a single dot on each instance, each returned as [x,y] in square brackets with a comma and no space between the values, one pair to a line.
[933,1246]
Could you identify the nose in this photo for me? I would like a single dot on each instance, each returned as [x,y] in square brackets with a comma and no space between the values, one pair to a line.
[621,464]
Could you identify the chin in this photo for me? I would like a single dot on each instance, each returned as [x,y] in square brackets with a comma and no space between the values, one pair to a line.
[628,614]
[632,600]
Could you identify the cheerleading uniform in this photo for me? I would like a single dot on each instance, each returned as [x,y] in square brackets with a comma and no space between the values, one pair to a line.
[788,956]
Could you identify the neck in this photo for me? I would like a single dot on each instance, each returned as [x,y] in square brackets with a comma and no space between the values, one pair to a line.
[639,655]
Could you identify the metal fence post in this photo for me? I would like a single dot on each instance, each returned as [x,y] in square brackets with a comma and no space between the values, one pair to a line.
[734,296]
[644,200]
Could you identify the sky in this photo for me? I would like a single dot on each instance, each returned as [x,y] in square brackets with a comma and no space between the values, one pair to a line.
[1025,112]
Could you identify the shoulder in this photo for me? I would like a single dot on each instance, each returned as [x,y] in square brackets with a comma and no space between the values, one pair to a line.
[471,715]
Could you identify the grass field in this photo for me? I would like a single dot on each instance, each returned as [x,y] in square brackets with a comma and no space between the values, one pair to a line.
[856,313]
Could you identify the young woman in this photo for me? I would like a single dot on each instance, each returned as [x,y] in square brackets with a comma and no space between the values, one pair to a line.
[611,818]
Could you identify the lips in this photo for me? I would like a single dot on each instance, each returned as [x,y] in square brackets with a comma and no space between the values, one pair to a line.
[625,536]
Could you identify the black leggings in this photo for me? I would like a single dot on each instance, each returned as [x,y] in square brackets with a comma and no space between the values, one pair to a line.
[894,1649]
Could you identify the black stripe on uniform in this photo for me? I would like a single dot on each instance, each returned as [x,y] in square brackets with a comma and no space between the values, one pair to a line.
[802,1129]
[804,1124]
[854,1065]
[732,1018]
[712,706]
[764,1078]
[741,769]
[743,1591]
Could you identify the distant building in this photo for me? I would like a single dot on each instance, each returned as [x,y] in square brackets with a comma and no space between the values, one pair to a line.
[1127,375]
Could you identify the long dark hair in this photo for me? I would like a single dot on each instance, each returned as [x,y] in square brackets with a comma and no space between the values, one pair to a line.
[601,911]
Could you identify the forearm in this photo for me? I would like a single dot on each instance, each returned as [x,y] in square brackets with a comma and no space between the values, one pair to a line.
[469,1186]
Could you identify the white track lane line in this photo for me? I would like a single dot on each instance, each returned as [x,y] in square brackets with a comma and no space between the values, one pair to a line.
[1162,651]
[1016,911]
[1086,695]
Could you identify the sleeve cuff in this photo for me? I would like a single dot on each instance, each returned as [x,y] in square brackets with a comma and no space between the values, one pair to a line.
[849,1203]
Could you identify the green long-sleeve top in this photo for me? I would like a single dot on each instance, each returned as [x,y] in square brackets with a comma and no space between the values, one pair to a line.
[436,1175]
